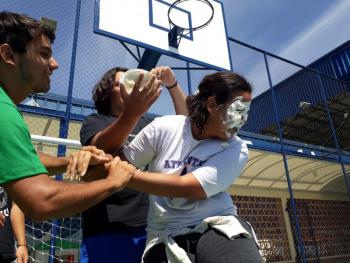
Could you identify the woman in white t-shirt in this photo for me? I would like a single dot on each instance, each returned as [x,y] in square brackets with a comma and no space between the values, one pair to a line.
[191,162]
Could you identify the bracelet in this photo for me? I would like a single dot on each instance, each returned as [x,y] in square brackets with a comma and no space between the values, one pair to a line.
[172,86]
[21,245]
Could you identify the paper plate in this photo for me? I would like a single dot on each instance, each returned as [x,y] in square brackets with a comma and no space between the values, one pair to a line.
[130,77]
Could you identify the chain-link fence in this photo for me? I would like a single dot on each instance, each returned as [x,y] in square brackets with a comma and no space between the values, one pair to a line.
[295,188]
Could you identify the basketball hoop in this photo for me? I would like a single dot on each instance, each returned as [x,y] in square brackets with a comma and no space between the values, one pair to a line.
[177,31]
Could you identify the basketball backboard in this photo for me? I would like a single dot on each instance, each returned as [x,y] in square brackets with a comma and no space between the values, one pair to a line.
[145,23]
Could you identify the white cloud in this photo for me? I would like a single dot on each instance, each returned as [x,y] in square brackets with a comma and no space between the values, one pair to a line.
[326,33]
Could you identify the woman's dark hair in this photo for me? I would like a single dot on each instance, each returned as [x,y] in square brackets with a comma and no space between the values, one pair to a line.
[221,85]
[101,94]
[18,30]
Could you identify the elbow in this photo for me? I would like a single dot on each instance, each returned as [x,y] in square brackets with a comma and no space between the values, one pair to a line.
[37,201]
[36,216]
[191,189]
[33,209]
[107,146]
[39,212]
[192,193]
[195,195]
[43,206]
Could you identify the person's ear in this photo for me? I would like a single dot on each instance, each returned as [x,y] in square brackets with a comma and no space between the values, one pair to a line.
[211,104]
[7,54]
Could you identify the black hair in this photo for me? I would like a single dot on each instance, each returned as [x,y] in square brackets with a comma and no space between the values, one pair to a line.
[18,30]
[221,85]
[101,94]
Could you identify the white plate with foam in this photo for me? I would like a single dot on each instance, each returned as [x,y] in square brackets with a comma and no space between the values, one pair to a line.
[129,78]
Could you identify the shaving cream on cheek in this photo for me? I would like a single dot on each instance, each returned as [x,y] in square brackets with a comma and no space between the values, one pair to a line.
[236,116]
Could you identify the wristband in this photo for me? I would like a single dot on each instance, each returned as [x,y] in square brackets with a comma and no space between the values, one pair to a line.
[21,245]
[172,86]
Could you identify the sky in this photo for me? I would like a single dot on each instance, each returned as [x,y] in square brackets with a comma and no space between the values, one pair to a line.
[298,30]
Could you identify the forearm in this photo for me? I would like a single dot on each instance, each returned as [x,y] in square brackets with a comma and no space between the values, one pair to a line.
[179,100]
[167,185]
[114,136]
[18,224]
[54,165]
[41,198]
[62,201]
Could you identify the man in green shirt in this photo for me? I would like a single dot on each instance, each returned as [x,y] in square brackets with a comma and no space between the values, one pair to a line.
[26,63]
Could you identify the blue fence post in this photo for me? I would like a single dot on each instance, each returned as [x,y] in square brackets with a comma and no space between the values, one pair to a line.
[64,125]
[189,78]
[334,135]
[55,223]
[300,245]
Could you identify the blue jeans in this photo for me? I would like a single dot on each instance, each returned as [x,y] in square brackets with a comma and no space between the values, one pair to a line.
[125,246]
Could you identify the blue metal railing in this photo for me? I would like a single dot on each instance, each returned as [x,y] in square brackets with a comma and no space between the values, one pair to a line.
[300,243]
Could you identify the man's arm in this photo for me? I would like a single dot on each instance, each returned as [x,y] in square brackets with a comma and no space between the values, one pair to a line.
[136,104]
[54,165]
[171,185]
[18,226]
[41,198]
[78,161]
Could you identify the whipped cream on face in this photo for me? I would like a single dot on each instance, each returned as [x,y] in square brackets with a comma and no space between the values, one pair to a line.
[236,116]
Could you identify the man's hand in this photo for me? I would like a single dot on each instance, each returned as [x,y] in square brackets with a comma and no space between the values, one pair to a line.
[139,101]
[2,219]
[97,172]
[80,161]
[120,173]
[165,75]
[22,254]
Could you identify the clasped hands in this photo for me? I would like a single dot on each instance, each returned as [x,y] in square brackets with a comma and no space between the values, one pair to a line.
[91,163]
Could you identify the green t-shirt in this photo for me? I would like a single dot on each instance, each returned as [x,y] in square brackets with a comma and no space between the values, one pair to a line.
[18,158]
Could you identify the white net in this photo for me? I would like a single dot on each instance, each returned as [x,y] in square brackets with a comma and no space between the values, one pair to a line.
[55,240]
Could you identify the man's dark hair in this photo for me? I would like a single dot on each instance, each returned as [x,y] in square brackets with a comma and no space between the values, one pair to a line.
[221,85]
[18,30]
[101,94]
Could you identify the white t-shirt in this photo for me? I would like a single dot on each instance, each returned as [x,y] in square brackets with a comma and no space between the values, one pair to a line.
[167,146]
